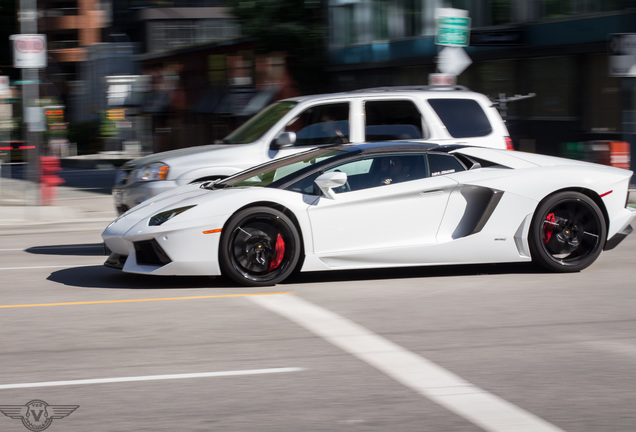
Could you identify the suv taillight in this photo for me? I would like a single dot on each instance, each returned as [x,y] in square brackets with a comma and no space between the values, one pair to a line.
[509,145]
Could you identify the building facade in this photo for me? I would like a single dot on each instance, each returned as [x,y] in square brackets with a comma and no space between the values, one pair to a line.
[71,27]
[204,80]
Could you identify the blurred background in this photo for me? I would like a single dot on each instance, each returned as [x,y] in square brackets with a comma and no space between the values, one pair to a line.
[141,76]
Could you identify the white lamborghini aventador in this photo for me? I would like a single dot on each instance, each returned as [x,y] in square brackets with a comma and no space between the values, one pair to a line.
[378,205]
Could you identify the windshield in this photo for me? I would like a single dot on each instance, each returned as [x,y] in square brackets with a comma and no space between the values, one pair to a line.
[255,127]
[266,174]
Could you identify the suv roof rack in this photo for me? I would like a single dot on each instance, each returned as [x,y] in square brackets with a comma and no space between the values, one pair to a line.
[412,87]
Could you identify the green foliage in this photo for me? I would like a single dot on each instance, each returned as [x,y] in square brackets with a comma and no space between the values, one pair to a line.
[296,27]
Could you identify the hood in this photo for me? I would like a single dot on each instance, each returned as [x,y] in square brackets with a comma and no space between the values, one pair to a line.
[189,153]
[177,197]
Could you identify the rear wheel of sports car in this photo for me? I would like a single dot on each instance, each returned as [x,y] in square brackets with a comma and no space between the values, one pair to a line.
[260,246]
[567,232]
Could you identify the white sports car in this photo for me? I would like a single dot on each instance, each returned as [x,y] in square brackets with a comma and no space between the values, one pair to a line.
[378,205]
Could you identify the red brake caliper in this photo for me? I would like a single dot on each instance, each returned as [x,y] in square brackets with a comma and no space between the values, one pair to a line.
[548,227]
[280,253]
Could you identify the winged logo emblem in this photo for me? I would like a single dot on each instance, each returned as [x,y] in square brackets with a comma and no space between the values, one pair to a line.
[37,415]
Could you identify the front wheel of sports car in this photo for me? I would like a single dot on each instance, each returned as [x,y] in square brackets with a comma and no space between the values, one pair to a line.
[567,232]
[260,246]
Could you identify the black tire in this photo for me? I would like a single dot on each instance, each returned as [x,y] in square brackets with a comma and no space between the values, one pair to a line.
[260,246]
[567,233]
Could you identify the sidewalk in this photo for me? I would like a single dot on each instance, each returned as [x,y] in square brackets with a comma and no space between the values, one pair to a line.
[73,208]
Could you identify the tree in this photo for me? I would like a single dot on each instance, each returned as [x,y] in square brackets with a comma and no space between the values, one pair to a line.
[296,27]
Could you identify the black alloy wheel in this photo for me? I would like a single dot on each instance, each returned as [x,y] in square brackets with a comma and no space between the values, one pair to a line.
[260,246]
[567,233]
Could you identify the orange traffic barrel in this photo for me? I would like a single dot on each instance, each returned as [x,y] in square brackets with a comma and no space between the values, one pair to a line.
[620,156]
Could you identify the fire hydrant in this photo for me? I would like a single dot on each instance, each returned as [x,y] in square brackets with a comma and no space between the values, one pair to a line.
[49,180]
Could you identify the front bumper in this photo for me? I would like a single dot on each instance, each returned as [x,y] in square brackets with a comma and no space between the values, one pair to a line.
[183,252]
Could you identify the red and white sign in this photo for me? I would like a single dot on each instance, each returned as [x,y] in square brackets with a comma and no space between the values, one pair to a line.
[622,48]
[438,79]
[29,50]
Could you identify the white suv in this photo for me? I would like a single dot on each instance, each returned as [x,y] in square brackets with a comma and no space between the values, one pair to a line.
[443,115]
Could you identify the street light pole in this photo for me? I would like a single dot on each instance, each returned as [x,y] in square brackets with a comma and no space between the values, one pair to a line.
[28,17]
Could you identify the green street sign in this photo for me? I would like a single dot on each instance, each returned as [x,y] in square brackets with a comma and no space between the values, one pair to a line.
[453,31]
[25,82]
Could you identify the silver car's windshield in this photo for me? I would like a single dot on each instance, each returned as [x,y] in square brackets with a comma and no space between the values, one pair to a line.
[266,174]
[255,127]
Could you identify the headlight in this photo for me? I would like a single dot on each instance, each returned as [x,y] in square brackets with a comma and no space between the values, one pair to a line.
[154,171]
[165,216]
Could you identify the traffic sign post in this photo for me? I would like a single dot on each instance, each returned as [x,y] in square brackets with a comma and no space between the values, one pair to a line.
[29,51]
[453,31]
[622,50]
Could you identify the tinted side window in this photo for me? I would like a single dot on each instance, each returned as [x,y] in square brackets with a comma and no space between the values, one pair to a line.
[392,120]
[463,118]
[370,173]
[321,124]
[441,164]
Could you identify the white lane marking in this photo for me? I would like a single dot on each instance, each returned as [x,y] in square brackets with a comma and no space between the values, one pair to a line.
[149,378]
[46,267]
[430,380]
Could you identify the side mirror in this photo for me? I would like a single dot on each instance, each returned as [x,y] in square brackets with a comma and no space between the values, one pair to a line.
[328,181]
[286,139]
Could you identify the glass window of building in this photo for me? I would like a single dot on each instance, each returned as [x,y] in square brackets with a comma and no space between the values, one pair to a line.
[487,13]
[342,29]
[560,9]
[602,96]
[171,34]
[551,79]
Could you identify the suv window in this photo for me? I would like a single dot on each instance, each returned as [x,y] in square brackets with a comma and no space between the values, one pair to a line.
[321,124]
[369,173]
[463,118]
[392,120]
[258,125]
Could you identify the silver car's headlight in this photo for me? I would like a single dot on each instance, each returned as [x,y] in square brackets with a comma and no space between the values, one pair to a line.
[153,171]
[165,216]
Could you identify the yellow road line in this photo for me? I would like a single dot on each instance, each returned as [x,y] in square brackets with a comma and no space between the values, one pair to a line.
[140,300]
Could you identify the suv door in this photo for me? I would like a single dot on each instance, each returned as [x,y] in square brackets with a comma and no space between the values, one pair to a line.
[321,124]
[316,125]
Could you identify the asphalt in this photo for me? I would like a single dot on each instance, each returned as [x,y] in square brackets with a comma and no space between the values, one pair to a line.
[72,208]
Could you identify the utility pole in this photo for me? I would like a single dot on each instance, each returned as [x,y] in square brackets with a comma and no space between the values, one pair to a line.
[28,18]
